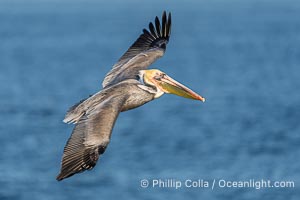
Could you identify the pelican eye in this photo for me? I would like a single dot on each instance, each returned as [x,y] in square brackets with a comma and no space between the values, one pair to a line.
[158,77]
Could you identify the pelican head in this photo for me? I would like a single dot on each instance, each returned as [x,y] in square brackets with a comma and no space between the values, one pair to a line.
[165,84]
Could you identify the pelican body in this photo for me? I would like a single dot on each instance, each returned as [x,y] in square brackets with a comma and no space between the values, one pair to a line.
[127,86]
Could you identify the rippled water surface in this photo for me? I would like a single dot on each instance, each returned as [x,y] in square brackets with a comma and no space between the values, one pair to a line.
[243,56]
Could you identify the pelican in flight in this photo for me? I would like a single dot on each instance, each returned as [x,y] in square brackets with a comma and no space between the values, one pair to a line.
[128,85]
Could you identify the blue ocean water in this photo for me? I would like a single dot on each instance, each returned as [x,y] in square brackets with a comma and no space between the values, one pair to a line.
[242,56]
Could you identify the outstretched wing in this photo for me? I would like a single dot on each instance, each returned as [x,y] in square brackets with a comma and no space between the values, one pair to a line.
[150,46]
[90,137]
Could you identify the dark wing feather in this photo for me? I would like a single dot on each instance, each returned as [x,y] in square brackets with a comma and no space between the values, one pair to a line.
[90,137]
[157,25]
[152,29]
[150,46]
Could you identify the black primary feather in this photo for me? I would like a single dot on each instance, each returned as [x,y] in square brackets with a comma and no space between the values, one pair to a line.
[156,37]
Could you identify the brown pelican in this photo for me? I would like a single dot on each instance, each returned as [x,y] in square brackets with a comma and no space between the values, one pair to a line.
[128,85]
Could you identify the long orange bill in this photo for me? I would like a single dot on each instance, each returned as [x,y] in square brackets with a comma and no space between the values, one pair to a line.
[169,85]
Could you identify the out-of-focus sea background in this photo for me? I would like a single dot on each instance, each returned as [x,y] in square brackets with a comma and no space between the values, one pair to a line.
[242,56]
